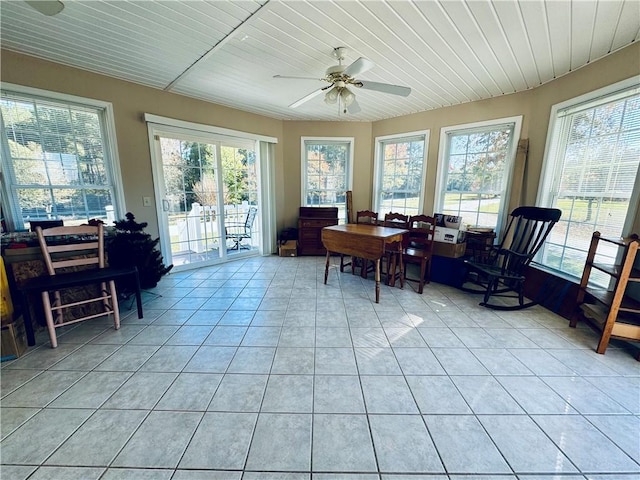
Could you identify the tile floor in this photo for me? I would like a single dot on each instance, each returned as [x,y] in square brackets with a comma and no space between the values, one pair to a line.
[256,370]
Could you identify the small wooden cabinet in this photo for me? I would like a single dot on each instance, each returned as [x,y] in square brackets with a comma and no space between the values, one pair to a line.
[614,312]
[310,224]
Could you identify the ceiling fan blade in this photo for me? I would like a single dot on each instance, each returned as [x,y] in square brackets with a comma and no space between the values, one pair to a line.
[306,98]
[297,78]
[361,65]
[354,108]
[46,7]
[384,87]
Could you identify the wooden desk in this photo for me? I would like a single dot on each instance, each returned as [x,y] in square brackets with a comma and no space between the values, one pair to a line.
[358,240]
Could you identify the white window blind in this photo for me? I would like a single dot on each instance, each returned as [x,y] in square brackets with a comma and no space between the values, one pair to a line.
[591,174]
[56,161]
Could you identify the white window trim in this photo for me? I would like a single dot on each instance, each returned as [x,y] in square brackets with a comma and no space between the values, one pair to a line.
[377,178]
[442,152]
[303,157]
[200,127]
[111,143]
[158,125]
[547,181]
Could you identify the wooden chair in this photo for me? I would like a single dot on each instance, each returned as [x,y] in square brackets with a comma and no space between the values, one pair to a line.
[502,273]
[393,251]
[366,217]
[80,249]
[419,249]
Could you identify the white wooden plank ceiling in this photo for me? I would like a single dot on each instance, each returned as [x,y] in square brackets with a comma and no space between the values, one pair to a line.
[227,52]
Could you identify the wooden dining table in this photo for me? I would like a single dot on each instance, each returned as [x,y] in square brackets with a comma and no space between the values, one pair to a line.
[360,240]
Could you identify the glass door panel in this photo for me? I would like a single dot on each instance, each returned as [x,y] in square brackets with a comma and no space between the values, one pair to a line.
[209,197]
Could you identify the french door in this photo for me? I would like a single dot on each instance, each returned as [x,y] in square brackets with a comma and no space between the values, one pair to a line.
[207,196]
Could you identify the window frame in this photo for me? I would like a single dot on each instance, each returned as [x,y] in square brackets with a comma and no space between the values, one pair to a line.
[547,186]
[12,210]
[350,141]
[443,149]
[379,165]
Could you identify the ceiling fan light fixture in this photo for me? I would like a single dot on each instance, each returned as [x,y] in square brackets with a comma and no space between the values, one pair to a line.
[347,97]
[331,96]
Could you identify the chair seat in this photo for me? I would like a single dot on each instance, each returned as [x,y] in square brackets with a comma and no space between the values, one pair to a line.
[494,271]
[416,252]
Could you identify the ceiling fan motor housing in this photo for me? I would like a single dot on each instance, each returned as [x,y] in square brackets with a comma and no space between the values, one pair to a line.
[335,71]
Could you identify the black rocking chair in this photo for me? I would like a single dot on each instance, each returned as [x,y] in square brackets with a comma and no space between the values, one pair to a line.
[501,272]
[241,231]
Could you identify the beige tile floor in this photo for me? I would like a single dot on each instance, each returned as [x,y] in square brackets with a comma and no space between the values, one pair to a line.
[257,370]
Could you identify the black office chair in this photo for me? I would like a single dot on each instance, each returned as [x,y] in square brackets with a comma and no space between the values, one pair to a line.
[502,272]
[241,231]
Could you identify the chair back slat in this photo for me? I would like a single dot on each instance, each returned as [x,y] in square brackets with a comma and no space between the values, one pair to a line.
[526,232]
[367,216]
[396,220]
[251,216]
[421,232]
[74,240]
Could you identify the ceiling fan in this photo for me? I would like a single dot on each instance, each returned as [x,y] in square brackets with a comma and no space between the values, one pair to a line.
[46,7]
[340,78]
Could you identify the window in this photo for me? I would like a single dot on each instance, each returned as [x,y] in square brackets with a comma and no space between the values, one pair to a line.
[475,164]
[326,172]
[591,173]
[400,170]
[57,159]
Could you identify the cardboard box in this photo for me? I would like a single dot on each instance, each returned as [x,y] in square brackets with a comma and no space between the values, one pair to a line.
[449,221]
[288,249]
[450,250]
[449,235]
[14,339]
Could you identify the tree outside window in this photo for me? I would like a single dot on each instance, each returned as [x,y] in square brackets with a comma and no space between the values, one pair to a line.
[400,167]
[475,167]
[326,172]
[56,166]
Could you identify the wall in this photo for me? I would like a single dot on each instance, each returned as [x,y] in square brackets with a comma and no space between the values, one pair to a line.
[362,164]
[535,106]
[130,101]
[606,71]
[434,120]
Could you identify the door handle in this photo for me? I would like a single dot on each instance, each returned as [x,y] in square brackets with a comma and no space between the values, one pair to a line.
[165,205]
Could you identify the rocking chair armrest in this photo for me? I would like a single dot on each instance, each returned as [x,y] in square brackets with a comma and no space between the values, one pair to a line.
[506,251]
[494,271]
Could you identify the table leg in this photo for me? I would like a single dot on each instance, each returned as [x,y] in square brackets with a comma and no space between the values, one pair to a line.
[378,280]
[138,294]
[326,267]
[26,318]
